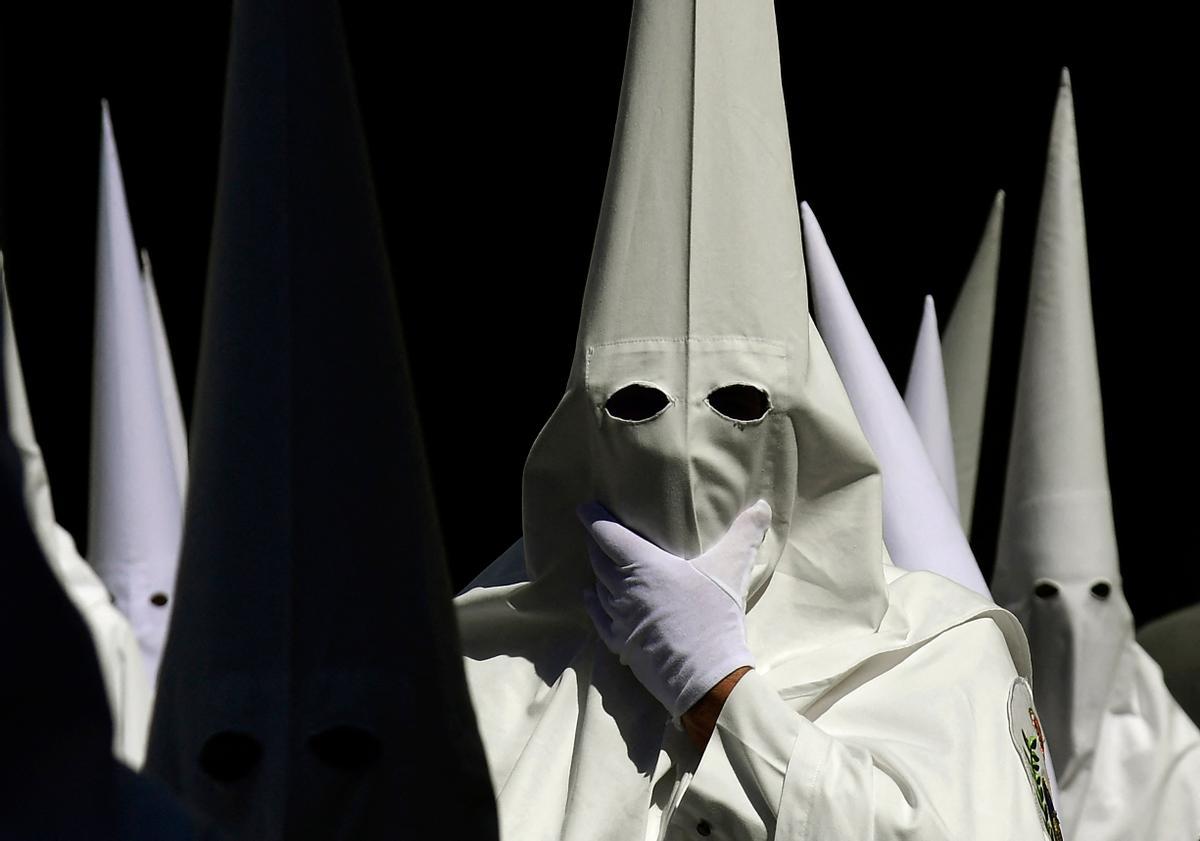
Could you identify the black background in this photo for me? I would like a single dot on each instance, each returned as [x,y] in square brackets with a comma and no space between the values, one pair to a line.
[489,127]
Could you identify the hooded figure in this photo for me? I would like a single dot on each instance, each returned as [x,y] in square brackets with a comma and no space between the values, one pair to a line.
[58,774]
[1171,641]
[966,355]
[919,523]
[128,691]
[878,705]
[311,686]
[928,405]
[1128,759]
[136,505]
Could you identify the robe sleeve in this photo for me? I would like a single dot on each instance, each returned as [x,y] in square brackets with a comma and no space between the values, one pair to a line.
[130,696]
[921,750]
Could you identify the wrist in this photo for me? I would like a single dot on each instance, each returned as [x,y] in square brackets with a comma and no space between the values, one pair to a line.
[701,719]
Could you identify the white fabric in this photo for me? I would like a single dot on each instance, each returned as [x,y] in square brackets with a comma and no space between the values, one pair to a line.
[966,355]
[920,527]
[135,504]
[679,625]
[928,406]
[129,692]
[1056,564]
[1140,778]
[176,431]
[697,281]
[1172,641]
[868,760]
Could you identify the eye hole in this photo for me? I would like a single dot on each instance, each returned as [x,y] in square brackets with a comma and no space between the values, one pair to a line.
[229,756]
[740,402]
[159,600]
[1045,590]
[1101,590]
[637,402]
[345,747]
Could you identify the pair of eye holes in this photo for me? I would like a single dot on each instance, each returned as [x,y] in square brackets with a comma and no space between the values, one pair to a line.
[640,402]
[1049,590]
[231,755]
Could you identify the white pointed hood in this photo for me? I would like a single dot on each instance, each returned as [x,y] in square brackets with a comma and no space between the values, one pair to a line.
[1056,562]
[135,511]
[925,397]
[967,355]
[696,279]
[173,411]
[920,527]
[1172,641]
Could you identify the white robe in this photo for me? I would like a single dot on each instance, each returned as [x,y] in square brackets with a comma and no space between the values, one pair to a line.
[129,693]
[1141,779]
[901,734]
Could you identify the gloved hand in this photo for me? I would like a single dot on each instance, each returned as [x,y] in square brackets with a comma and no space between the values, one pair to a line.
[679,625]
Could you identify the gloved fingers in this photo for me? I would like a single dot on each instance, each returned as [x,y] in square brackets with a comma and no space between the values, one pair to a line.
[609,576]
[750,527]
[729,562]
[601,619]
[620,544]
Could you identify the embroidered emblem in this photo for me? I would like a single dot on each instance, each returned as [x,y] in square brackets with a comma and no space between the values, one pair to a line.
[1026,731]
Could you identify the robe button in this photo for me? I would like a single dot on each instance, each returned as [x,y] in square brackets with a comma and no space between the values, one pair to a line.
[704,828]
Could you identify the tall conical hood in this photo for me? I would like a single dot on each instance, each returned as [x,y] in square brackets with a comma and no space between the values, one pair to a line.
[699,386]
[312,686]
[36,482]
[135,508]
[1056,562]
[699,222]
[691,392]
[919,524]
[967,355]
[925,397]
[172,410]
[58,774]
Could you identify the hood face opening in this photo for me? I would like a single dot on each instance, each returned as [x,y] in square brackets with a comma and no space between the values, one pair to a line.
[663,460]
[1076,639]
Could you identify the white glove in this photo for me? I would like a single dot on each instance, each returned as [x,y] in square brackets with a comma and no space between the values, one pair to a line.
[679,625]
